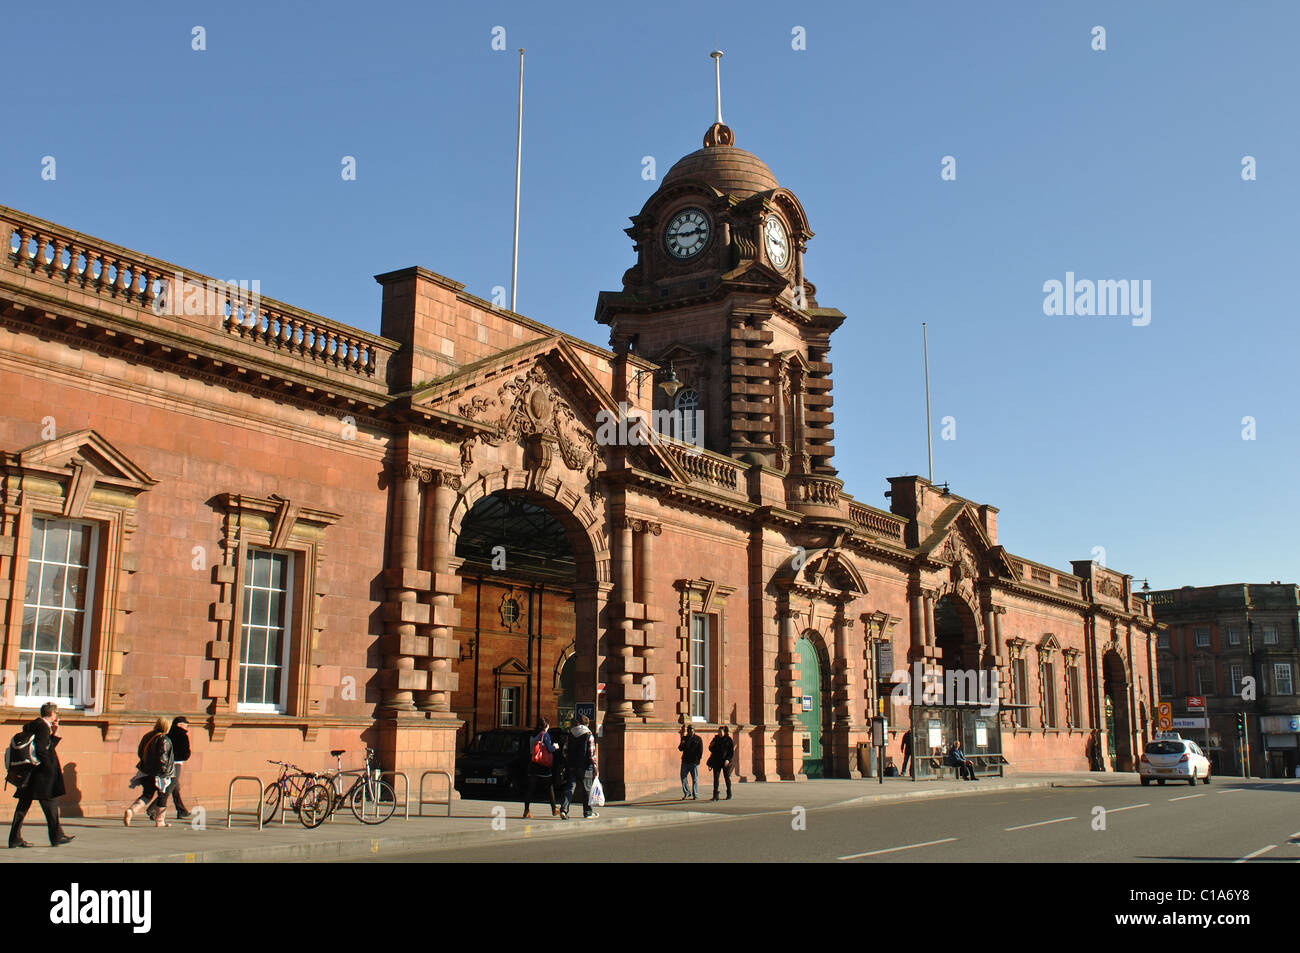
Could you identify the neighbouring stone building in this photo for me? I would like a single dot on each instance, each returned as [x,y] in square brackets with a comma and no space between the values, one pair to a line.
[1218,639]
[304,536]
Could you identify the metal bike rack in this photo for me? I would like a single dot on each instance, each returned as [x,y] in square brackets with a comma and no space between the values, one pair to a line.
[257,808]
[421,792]
[406,790]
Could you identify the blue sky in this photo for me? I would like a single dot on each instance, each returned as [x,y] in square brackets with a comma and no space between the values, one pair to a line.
[1119,164]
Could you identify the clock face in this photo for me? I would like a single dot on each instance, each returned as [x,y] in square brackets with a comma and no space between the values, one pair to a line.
[776,241]
[687,233]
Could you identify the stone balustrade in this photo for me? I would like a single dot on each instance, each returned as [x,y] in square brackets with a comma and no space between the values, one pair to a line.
[880,524]
[33,246]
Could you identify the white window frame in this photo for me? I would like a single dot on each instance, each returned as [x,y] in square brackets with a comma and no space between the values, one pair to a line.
[286,642]
[1270,635]
[1283,669]
[700,668]
[87,616]
[1201,638]
[509,702]
[1235,675]
[1162,640]
[687,415]
[1234,635]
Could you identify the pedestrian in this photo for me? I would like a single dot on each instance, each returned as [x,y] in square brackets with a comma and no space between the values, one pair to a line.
[721,750]
[541,759]
[907,750]
[692,749]
[154,772]
[559,773]
[965,767]
[45,782]
[580,761]
[180,736]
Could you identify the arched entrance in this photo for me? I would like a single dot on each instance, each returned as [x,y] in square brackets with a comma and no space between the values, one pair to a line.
[566,700]
[1118,735]
[812,707]
[519,566]
[955,633]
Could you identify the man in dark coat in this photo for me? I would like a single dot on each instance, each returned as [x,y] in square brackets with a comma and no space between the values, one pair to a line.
[45,783]
[180,736]
[692,749]
[721,750]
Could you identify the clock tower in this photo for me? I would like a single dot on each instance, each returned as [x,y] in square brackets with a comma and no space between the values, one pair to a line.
[718,292]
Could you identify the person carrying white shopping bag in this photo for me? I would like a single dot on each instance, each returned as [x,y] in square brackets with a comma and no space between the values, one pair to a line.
[580,756]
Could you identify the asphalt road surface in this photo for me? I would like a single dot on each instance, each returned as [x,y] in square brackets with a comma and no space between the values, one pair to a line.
[1228,821]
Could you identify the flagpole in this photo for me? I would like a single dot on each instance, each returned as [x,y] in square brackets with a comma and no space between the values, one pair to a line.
[519,152]
[929,437]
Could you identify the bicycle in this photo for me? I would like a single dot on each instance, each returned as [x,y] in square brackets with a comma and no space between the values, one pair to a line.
[307,796]
[371,799]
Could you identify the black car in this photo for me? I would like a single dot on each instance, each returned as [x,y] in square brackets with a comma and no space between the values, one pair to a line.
[495,765]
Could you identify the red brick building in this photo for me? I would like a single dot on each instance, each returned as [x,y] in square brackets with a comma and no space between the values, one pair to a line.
[304,536]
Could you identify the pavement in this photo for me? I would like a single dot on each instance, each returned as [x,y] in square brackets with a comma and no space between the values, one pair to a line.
[206,838]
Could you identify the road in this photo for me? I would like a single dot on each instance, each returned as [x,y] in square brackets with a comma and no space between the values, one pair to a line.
[1230,820]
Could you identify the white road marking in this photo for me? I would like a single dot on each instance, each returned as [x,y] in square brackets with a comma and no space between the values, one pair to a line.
[1262,850]
[1131,807]
[1040,824]
[1233,791]
[1185,797]
[890,850]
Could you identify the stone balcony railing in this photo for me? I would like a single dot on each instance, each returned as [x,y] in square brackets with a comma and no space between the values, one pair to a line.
[160,294]
[880,524]
[705,465]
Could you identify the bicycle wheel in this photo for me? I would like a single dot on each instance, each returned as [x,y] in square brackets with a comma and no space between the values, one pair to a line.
[271,803]
[314,805]
[373,802]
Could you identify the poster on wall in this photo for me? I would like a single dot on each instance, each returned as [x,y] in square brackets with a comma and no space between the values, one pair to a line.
[981,734]
[936,734]
[807,703]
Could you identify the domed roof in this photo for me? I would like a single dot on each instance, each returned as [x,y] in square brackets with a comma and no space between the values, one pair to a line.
[726,168]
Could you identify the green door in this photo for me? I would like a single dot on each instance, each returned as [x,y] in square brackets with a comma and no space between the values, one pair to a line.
[810,707]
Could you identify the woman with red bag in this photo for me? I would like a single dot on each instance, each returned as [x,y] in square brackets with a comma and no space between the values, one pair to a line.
[541,756]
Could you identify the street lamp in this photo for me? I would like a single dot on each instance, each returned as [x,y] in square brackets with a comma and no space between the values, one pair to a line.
[667,380]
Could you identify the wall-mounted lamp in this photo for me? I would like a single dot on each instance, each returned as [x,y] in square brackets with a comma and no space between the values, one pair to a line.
[467,650]
[667,380]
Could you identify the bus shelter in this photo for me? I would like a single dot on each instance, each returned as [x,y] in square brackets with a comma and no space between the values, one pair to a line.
[936,727]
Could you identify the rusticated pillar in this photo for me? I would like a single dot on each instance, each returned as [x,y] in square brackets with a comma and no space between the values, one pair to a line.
[402,609]
[622,664]
[648,639]
[445,586]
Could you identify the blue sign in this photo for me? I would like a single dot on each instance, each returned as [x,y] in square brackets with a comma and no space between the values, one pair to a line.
[588,709]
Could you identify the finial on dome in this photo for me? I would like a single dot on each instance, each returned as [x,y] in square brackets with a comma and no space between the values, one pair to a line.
[719,134]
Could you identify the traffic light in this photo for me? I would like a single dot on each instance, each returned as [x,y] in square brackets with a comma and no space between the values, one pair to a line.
[1241,723]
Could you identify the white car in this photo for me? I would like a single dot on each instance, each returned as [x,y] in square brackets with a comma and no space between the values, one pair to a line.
[1173,759]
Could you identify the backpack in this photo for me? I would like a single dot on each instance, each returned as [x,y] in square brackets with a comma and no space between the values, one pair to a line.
[20,759]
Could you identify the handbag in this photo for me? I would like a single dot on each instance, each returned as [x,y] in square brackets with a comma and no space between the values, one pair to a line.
[597,793]
[542,755]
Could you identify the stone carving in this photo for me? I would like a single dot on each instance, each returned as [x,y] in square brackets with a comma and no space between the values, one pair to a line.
[528,408]
[958,555]
[1107,587]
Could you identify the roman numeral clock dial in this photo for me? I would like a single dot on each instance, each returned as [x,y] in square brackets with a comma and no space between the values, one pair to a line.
[777,241]
[687,233]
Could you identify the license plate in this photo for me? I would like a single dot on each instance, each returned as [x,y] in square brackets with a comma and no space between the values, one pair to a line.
[480,780]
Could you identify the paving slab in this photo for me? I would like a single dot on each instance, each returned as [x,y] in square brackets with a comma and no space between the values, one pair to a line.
[473,822]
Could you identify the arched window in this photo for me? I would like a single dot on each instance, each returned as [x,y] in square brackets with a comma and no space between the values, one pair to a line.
[688,407]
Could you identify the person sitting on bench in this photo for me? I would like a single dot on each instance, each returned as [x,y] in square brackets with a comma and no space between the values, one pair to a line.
[965,767]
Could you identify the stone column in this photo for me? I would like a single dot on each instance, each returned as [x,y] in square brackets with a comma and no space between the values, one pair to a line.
[918,626]
[402,607]
[843,723]
[929,622]
[622,664]
[648,637]
[444,616]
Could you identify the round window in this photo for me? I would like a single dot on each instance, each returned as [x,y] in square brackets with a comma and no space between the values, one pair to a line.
[509,611]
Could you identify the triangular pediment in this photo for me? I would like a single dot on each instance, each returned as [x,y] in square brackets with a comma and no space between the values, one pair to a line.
[540,391]
[86,449]
[511,666]
[958,540]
